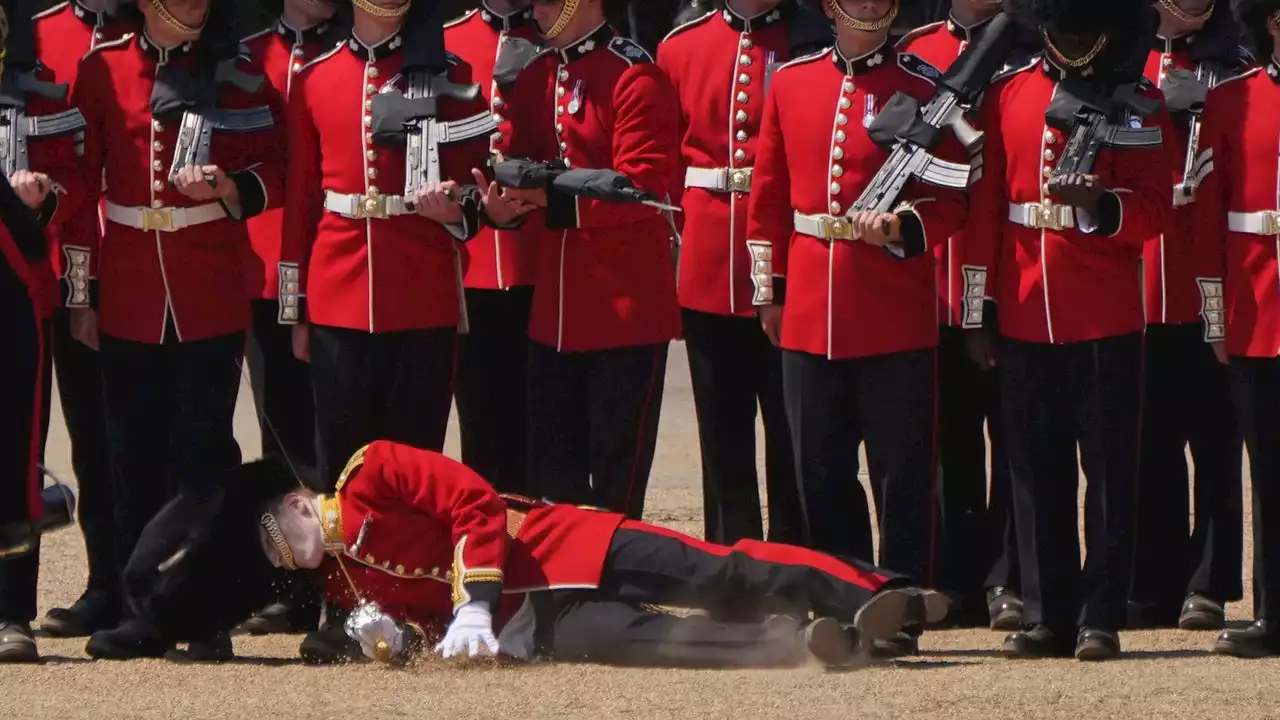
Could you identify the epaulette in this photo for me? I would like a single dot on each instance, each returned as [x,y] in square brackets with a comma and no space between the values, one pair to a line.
[51,11]
[324,55]
[265,31]
[461,18]
[629,50]
[1247,73]
[803,59]
[918,32]
[1011,71]
[119,42]
[918,66]
[681,28]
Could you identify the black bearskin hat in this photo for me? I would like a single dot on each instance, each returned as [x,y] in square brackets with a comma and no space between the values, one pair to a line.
[1252,16]
[219,39]
[199,567]
[423,34]
[1220,38]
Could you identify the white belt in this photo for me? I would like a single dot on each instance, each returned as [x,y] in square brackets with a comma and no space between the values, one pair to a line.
[361,207]
[826,227]
[718,179]
[1039,216]
[1266,222]
[165,219]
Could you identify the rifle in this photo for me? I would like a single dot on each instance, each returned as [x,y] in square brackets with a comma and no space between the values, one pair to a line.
[424,134]
[1189,93]
[606,185]
[195,133]
[910,133]
[1094,122]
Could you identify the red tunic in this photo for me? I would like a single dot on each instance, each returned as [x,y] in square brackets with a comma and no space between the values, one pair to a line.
[65,33]
[402,272]
[608,280]
[1060,286]
[721,105]
[420,534]
[845,298]
[282,51]
[193,275]
[1237,213]
[499,259]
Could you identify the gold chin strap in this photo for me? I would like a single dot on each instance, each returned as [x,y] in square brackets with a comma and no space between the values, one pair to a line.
[567,12]
[380,12]
[1183,15]
[1079,62]
[166,17]
[277,538]
[848,20]
[4,35]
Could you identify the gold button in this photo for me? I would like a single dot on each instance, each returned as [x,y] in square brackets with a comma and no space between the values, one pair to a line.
[157,166]
[373,172]
[373,71]
[497,137]
[97,36]
[743,97]
[371,89]
[1049,138]
[368,121]
[368,137]
[435,571]
[399,569]
[835,207]
[157,146]
[838,153]
[559,111]
[158,185]
[741,116]
[835,188]
[744,79]
[845,103]
[740,155]
[297,52]
[849,86]
[559,128]
[417,572]
[836,171]
[746,43]
[742,136]
[497,102]
[386,564]
[560,91]
[1047,171]
[842,119]
[840,136]
[297,67]
[373,190]
[744,60]
[371,155]
[564,146]
[155,125]
[1045,189]
[1048,154]
[498,118]
[368,559]
[562,76]
[368,104]
[157,204]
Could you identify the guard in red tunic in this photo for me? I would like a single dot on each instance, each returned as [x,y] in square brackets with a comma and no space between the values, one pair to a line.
[1184,576]
[171,305]
[428,556]
[978,554]
[490,378]
[604,308]
[371,269]
[849,295]
[1237,223]
[732,364]
[1070,308]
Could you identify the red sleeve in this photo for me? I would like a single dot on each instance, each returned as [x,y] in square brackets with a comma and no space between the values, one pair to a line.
[939,212]
[255,163]
[58,158]
[454,496]
[1209,212]
[303,203]
[82,225]
[977,248]
[682,129]
[769,213]
[1141,190]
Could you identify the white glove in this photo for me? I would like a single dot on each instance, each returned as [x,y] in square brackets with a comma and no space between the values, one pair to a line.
[380,637]
[471,632]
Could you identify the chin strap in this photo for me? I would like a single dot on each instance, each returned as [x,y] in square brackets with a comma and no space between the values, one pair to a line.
[848,20]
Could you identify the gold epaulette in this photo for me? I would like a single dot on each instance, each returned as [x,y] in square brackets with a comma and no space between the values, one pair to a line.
[352,465]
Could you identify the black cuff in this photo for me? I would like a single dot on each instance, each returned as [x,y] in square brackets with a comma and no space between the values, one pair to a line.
[991,316]
[779,290]
[469,201]
[519,221]
[1109,215]
[47,209]
[912,232]
[488,592]
[253,197]
[562,210]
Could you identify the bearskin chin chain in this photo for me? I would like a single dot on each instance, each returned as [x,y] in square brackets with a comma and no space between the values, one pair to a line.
[1183,16]
[850,21]
[166,17]
[1079,62]
[381,12]
[566,15]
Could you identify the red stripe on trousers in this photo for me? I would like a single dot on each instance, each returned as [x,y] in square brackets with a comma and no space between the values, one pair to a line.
[35,505]
[776,553]
[644,416]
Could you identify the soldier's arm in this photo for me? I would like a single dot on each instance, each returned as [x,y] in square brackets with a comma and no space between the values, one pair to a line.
[1209,213]
[646,149]
[929,215]
[59,158]
[667,65]
[977,246]
[769,211]
[303,204]
[1136,208]
[81,227]
[255,165]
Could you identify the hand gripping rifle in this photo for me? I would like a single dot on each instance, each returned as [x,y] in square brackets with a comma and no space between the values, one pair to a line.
[1094,122]
[910,133]
[195,133]
[424,134]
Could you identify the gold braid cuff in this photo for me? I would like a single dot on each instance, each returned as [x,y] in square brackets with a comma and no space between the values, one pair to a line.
[1183,15]
[381,12]
[166,17]
[850,21]
[1079,62]
[567,12]
[277,538]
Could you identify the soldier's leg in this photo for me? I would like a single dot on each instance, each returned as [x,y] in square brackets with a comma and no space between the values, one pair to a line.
[281,388]
[624,391]
[1162,532]
[206,383]
[490,385]
[1109,387]
[896,401]
[1003,581]
[725,403]
[418,377]
[347,408]
[786,520]
[558,432]
[822,410]
[1217,543]
[1255,384]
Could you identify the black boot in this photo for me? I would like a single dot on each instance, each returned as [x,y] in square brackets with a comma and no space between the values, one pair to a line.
[330,646]
[1004,609]
[1038,642]
[1261,639]
[17,644]
[1201,613]
[1094,644]
[132,640]
[95,610]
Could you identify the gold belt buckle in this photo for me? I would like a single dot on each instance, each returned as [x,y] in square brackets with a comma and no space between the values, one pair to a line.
[739,180]
[157,219]
[1045,217]
[837,228]
[371,206]
[1271,222]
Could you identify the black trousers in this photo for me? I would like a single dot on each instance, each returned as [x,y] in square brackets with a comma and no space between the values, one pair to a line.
[490,386]
[281,388]
[593,424]
[734,369]
[1055,397]
[978,548]
[886,401]
[646,566]
[169,410]
[1187,403]
[1255,383]
[25,386]
[379,386]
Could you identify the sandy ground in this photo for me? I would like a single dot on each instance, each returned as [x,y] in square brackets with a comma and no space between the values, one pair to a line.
[1163,674]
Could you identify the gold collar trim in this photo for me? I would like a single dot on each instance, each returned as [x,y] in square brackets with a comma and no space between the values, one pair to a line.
[331,522]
